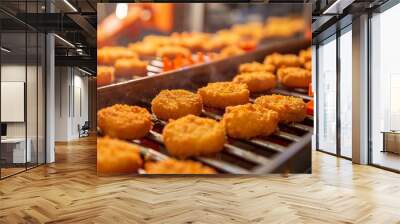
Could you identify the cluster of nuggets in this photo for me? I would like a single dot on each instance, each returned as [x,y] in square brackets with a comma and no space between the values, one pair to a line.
[187,134]
[131,61]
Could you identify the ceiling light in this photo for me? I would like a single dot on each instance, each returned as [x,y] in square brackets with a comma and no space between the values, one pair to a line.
[70,5]
[65,41]
[5,49]
[121,11]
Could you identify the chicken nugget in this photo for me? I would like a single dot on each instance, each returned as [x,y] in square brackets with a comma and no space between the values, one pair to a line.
[231,51]
[249,120]
[289,108]
[256,67]
[116,156]
[129,67]
[172,166]
[294,77]
[108,55]
[223,94]
[282,60]
[173,104]
[124,122]
[308,65]
[193,136]
[257,81]
[305,55]
[173,51]
[144,50]
[105,75]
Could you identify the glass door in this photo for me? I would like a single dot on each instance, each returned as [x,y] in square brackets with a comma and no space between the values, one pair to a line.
[326,76]
[346,95]
[385,89]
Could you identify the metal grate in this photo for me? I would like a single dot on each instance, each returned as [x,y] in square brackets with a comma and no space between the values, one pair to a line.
[238,156]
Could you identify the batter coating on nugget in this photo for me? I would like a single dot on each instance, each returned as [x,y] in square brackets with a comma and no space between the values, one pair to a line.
[305,55]
[124,122]
[173,104]
[308,65]
[172,166]
[257,81]
[193,136]
[129,67]
[249,120]
[116,156]
[289,108]
[256,67]
[105,75]
[283,60]
[173,51]
[294,77]
[223,94]
[109,55]
[230,51]
[144,49]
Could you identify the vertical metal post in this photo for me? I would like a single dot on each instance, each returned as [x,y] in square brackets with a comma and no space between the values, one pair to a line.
[360,90]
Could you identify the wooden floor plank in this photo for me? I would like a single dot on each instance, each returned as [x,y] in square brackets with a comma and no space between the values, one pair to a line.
[69,191]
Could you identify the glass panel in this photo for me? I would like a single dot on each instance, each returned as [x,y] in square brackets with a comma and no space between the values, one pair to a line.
[346,94]
[327,96]
[385,84]
[13,87]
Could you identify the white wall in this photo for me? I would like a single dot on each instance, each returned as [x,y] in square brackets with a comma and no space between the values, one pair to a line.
[71,93]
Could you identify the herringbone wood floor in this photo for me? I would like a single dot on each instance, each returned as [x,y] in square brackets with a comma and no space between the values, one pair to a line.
[70,192]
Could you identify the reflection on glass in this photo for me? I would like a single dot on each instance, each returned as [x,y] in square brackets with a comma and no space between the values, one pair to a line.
[346,94]
[385,83]
[15,151]
[327,96]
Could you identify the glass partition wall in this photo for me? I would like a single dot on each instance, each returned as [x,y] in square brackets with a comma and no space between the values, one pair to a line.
[326,113]
[22,98]
[385,89]
[334,94]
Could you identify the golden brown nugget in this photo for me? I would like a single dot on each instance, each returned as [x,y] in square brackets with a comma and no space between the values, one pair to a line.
[294,77]
[172,166]
[223,94]
[193,136]
[108,55]
[193,41]
[249,30]
[282,60]
[144,50]
[308,65]
[105,75]
[283,26]
[249,120]
[231,51]
[289,108]
[173,51]
[124,122]
[117,157]
[129,67]
[256,67]
[173,104]
[305,55]
[257,81]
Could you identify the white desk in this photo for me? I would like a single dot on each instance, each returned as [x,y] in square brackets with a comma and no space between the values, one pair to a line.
[18,150]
